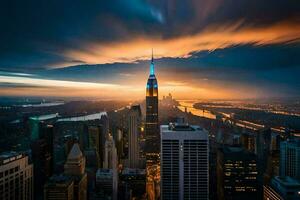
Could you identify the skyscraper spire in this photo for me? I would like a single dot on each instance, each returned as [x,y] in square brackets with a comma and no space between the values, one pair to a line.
[152,56]
[152,65]
[151,126]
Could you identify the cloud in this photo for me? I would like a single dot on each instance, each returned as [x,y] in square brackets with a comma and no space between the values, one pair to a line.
[200,44]
[212,38]
[12,85]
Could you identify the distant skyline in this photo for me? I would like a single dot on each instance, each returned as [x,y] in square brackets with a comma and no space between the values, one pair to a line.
[203,49]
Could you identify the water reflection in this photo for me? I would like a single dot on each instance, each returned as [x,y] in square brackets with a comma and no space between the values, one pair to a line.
[188,107]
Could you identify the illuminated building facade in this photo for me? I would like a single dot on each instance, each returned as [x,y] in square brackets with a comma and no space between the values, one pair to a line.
[184,162]
[151,126]
[237,174]
[16,176]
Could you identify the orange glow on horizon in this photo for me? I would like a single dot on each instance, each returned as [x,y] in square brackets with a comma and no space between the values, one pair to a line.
[180,90]
[211,38]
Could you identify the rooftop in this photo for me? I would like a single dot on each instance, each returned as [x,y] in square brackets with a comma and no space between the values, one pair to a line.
[59,180]
[75,152]
[182,127]
[104,173]
[83,118]
[237,151]
[44,117]
[133,171]
[287,181]
[10,156]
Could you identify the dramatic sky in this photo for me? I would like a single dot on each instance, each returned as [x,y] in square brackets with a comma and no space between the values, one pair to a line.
[101,48]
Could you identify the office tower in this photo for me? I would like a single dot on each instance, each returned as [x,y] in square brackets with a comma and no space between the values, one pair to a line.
[151,125]
[95,142]
[104,183]
[105,126]
[94,136]
[47,133]
[16,176]
[236,174]
[41,164]
[272,166]
[111,161]
[275,142]
[132,183]
[75,167]
[59,188]
[92,159]
[110,158]
[263,146]
[134,123]
[120,143]
[42,157]
[248,141]
[36,122]
[290,158]
[282,188]
[184,162]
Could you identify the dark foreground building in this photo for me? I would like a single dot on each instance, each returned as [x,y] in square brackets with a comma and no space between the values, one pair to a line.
[237,174]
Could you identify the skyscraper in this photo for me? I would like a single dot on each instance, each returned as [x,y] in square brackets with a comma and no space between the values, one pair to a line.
[134,123]
[75,167]
[290,158]
[16,176]
[110,157]
[282,188]
[59,187]
[111,162]
[151,126]
[184,162]
[236,174]
[95,135]
[42,157]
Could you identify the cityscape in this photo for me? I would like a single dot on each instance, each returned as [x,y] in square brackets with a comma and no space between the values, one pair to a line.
[150,100]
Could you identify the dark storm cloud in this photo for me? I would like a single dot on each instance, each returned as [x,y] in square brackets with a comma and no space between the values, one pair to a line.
[246,65]
[229,42]
[35,33]
[190,16]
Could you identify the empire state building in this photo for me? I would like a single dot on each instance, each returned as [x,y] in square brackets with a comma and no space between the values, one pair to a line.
[151,126]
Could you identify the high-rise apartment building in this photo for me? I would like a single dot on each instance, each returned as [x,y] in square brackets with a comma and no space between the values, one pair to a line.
[16,176]
[134,123]
[184,162]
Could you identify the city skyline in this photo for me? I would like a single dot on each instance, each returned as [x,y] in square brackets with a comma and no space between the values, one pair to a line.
[203,49]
